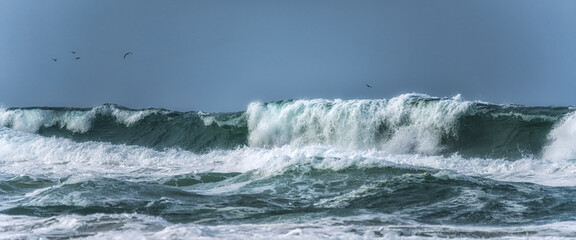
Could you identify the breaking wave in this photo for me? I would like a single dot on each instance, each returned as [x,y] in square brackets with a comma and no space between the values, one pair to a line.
[409,123]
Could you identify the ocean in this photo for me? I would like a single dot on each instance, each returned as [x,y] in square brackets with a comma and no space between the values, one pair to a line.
[408,167]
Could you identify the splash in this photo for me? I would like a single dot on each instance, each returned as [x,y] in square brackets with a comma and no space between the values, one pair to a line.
[562,140]
[410,123]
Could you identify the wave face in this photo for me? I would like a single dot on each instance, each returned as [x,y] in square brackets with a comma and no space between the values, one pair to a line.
[412,166]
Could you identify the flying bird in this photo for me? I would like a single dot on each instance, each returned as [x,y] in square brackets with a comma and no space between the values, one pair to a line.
[368,85]
[77,58]
[73,52]
[54,59]
[126,54]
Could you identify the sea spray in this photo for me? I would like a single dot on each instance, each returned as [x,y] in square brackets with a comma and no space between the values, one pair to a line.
[409,123]
[563,140]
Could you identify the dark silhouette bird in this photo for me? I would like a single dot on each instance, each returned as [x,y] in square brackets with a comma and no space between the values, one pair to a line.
[126,54]
[73,52]
[368,85]
[77,58]
[54,59]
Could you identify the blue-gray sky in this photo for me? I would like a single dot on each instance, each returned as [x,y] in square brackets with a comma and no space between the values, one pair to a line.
[220,55]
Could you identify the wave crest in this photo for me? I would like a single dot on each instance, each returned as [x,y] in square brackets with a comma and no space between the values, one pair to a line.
[73,119]
[404,124]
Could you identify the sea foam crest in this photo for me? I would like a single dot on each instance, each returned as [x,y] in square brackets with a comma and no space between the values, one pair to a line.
[79,120]
[409,123]
[562,140]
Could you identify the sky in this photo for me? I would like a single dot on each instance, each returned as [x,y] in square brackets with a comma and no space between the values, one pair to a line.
[218,56]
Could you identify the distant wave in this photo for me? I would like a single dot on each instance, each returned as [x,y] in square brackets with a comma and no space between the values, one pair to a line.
[156,128]
[409,123]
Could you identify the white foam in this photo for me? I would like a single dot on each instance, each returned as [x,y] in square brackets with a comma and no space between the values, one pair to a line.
[74,226]
[139,226]
[209,119]
[562,140]
[400,125]
[26,153]
[31,120]
[79,121]
[33,155]
[457,97]
[344,228]
[124,116]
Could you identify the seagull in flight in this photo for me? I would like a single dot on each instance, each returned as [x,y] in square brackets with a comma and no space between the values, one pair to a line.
[368,85]
[54,59]
[77,58]
[126,54]
[73,52]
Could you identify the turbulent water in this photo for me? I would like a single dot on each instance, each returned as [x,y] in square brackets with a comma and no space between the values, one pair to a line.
[412,166]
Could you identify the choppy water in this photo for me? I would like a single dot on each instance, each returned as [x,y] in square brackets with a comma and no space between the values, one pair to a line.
[412,166]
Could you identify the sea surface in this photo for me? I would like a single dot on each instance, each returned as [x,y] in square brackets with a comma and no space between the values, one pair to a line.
[408,167]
